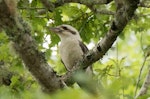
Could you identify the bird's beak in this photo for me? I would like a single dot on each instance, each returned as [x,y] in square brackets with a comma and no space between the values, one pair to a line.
[55,29]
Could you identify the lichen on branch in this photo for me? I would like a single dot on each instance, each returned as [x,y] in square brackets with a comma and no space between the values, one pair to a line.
[20,33]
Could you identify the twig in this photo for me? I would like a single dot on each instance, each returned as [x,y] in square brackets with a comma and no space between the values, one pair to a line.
[30,8]
[145,86]
[139,77]
[142,4]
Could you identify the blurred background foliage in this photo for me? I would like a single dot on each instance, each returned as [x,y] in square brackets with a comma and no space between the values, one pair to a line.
[118,70]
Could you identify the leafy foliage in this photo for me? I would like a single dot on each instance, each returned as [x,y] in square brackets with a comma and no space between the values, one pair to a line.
[117,71]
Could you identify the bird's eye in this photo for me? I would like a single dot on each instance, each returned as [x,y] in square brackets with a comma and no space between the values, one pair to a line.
[65,28]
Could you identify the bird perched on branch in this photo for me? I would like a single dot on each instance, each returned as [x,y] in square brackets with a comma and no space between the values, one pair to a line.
[71,47]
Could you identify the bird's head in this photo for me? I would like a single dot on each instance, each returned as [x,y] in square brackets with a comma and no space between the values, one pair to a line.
[66,31]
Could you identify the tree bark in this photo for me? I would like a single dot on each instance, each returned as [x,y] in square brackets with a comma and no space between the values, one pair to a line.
[20,33]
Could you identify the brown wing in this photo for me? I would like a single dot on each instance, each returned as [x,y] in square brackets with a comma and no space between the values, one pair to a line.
[83,47]
[88,69]
[64,65]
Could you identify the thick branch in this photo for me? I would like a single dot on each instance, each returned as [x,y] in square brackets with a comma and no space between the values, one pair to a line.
[85,2]
[50,5]
[122,17]
[19,32]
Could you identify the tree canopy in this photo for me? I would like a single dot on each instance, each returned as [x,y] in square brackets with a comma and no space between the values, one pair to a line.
[117,33]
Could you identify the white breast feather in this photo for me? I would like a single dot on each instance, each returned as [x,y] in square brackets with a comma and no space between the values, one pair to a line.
[70,52]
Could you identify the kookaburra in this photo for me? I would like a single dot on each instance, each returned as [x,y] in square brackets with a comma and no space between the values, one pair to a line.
[71,47]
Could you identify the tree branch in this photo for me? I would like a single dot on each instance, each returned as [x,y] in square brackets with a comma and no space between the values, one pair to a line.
[90,3]
[139,77]
[20,33]
[122,17]
[145,86]
[142,4]
[85,2]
